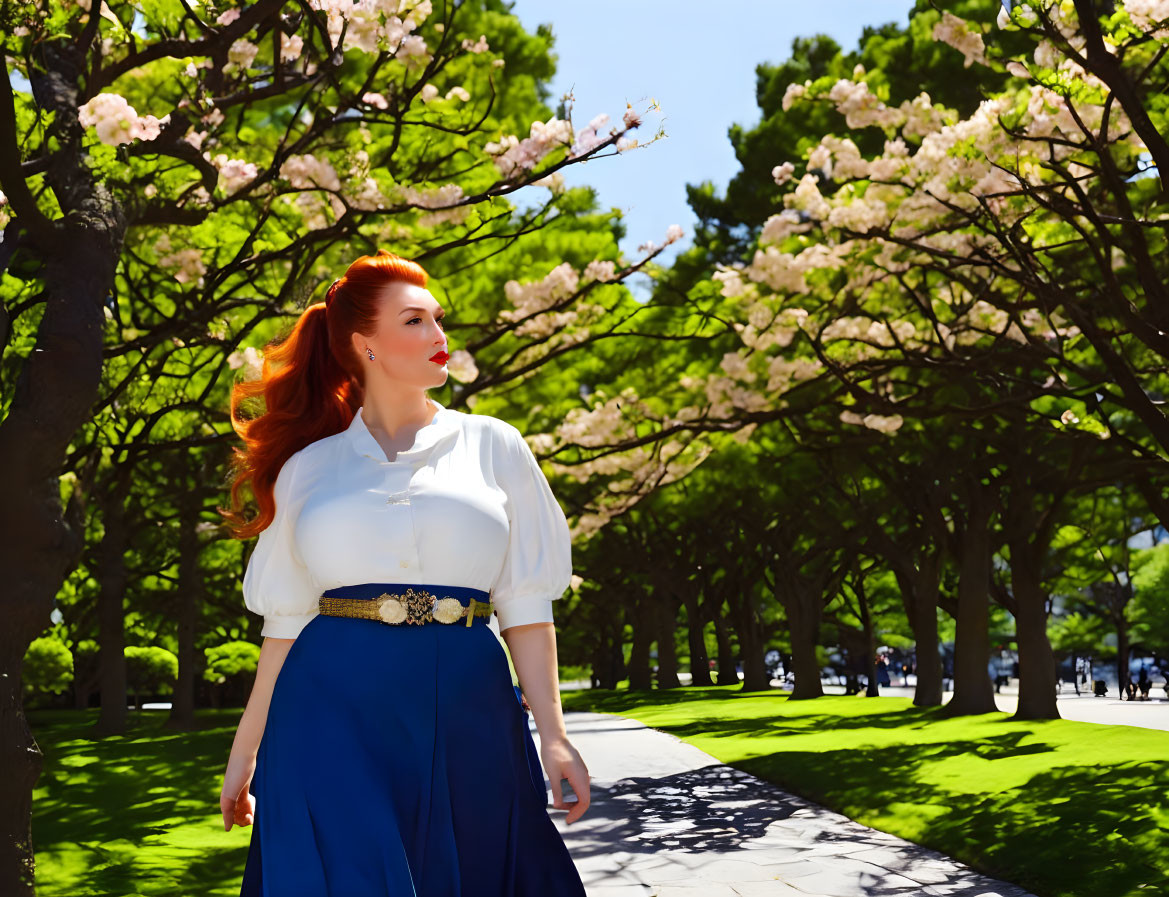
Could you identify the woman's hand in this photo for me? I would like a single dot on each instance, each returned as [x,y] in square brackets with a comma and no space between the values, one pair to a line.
[562,761]
[237,805]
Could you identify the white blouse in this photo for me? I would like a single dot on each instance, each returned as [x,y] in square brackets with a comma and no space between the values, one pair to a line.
[466,505]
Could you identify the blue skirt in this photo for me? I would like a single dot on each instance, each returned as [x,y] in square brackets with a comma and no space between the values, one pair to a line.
[397,761]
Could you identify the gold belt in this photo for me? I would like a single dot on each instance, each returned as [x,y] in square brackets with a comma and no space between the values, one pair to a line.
[412,606]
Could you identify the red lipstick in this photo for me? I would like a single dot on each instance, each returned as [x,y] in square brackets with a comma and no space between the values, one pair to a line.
[440,358]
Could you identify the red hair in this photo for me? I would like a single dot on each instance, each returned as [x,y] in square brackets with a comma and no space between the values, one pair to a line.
[312,382]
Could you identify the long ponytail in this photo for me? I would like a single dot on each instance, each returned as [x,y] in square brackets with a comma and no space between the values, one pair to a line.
[312,382]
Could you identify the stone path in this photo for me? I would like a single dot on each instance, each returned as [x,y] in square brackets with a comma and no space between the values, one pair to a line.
[669,820]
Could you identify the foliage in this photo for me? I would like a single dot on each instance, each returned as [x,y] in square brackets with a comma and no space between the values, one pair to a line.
[48,667]
[231,659]
[150,670]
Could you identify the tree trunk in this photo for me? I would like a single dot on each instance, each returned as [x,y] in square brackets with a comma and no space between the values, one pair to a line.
[51,399]
[919,596]
[111,611]
[1037,698]
[803,614]
[973,690]
[640,677]
[695,635]
[189,600]
[1122,650]
[667,649]
[750,634]
[21,758]
[870,637]
[726,674]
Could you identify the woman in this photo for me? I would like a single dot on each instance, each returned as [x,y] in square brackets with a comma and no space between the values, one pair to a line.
[384,750]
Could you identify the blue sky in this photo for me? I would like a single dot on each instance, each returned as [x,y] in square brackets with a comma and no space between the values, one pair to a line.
[698,61]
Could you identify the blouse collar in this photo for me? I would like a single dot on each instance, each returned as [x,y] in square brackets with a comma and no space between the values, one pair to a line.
[363,442]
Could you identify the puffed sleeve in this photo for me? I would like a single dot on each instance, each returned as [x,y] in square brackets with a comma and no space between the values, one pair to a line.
[277,584]
[538,565]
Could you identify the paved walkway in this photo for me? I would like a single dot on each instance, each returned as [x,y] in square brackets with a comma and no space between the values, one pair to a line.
[669,820]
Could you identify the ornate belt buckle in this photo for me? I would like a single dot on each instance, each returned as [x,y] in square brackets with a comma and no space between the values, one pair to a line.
[419,606]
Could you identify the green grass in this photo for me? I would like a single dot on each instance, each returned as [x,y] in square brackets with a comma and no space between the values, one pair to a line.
[1062,808]
[136,814]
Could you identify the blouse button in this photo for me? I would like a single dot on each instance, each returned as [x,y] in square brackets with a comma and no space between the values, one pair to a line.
[405,563]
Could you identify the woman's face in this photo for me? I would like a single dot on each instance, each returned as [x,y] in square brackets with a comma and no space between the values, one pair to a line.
[410,345]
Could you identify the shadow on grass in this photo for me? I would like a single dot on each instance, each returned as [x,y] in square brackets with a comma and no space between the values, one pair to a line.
[136,813]
[1070,831]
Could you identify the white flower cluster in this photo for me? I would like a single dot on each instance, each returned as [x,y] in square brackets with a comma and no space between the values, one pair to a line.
[444,203]
[807,198]
[320,181]
[589,136]
[861,107]
[839,159]
[479,46]
[731,278]
[958,34]
[673,234]
[116,121]
[782,372]
[603,424]
[242,52]
[512,155]
[461,365]
[725,395]
[291,46]
[233,173]
[534,302]
[860,216]
[375,99]
[882,424]
[252,361]
[866,330]
[187,264]
[736,366]
[1146,14]
[600,269]
[779,227]
[374,26]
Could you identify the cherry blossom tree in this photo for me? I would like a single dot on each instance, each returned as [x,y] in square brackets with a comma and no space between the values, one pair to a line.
[1029,227]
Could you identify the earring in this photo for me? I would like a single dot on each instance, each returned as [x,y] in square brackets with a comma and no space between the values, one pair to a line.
[370,352]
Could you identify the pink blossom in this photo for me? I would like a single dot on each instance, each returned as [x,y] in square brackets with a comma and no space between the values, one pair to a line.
[116,122]
[242,52]
[375,99]
[957,33]
[291,47]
